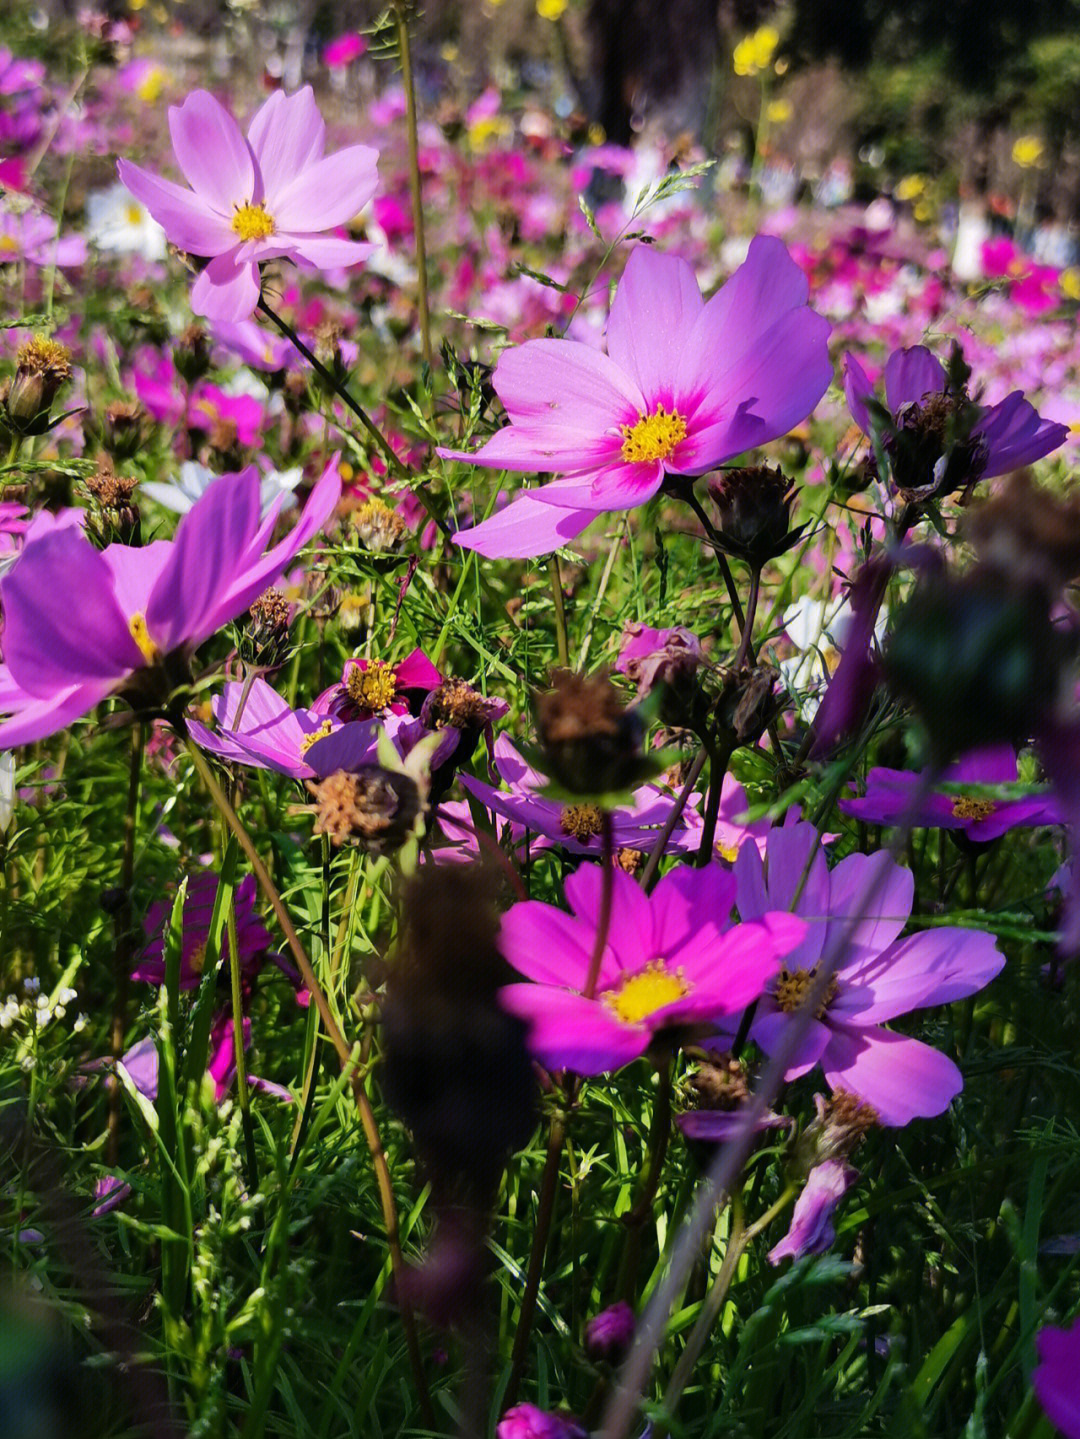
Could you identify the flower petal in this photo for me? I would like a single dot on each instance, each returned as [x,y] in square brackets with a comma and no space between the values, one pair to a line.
[184,216]
[655,306]
[546,944]
[286,134]
[912,374]
[524,529]
[567,1031]
[226,290]
[630,939]
[330,192]
[936,967]
[900,1078]
[213,154]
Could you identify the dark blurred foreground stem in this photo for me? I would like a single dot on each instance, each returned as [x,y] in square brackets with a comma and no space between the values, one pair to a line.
[123,943]
[557,1134]
[337,1039]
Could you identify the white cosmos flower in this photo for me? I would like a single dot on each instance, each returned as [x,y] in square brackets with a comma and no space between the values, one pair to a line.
[819,630]
[115,220]
[180,494]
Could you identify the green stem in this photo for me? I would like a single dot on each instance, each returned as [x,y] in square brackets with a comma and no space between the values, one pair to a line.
[686,493]
[123,941]
[634,1219]
[652,864]
[748,624]
[416,197]
[560,612]
[242,1090]
[607,891]
[718,763]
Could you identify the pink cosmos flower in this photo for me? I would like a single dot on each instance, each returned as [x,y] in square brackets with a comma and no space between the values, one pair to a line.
[578,827]
[650,657]
[812,1230]
[269,196]
[1054,1378]
[253,939]
[270,734]
[672,959]
[81,624]
[372,687]
[684,385]
[880,976]
[526,1421]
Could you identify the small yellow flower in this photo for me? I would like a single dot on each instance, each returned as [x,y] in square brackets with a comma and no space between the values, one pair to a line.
[492,127]
[151,85]
[449,53]
[911,187]
[755,52]
[1069,280]
[550,9]
[779,111]
[1027,151]
[922,211]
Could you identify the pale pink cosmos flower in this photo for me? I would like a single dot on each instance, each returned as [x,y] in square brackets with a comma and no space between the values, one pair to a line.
[270,196]
[685,385]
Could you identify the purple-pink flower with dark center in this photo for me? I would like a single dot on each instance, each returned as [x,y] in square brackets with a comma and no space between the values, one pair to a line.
[685,385]
[671,960]
[889,794]
[812,1230]
[650,657]
[525,1421]
[377,687]
[81,624]
[270,196]
[252,937]
[579,827]
[880,976]
[1055,1377]
[1004,437]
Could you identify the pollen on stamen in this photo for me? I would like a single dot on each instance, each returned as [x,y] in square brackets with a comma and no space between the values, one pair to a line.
[141,635]
[372,688]
[252,222]
[642,994]
[966,808]
[653,437]
[324,730]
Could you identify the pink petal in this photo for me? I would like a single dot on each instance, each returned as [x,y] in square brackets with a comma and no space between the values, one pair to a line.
[525,528]
[185,217]
[655,306]
[534,449]
[936,967]
[226,290]
[330,192]
[881,919]
[901,1078]
[286,135]
[911,375]
[615,487]
[212,152]
[765,287]
[325,252]
[688,902]
[545,944]
[630,939]
[42,717]
[567,385]
[768,1030]
[567,1031]
[857,390]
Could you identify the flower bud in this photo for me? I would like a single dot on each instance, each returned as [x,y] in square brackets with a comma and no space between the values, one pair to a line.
[191,354]
[264,639]
[754,509]
[591,743]
[978,657]
[41,367]
[608,1335]
[114,515]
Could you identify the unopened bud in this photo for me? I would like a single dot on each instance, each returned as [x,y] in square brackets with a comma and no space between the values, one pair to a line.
[753,505]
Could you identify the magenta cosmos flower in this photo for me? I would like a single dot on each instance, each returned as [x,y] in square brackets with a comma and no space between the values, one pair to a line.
[1055,1380]
[879,977]
[81,624]
[1005,437]
[685,385]
[269,196]
[812,1230]
[252,937]
[890,792]
[270,735]
[672,959]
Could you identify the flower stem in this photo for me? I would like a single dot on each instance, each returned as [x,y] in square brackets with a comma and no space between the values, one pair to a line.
[686,493]
[337,1039]
[748,623]
[242,1091]
[635,1217]
[652,864]
[718,763]
[405,56]
[339,389]
[560,612]
[123,942]
[607,861]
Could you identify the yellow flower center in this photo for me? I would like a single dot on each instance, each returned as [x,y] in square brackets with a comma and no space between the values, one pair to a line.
[141,635]
[197,958]
[134,215]
[964,808]
[654,436]
[728,852]
[642,994]
[8,245]
[793,986]
[581,820]
[372,688]
[326,728]
[252,222]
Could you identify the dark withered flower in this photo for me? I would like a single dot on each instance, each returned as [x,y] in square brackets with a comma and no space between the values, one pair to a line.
[591,742]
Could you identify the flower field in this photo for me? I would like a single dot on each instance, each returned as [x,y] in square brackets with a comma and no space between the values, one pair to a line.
[539,767]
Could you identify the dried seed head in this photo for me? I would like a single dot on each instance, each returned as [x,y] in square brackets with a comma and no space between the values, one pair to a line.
[720,1080]
[374,809]
[456,704]
[754,509]
[379,528]
[1028,533]
[591,742]
[264,640]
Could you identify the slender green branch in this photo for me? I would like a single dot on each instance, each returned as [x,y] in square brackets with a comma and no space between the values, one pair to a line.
[652,864]
[242,1090]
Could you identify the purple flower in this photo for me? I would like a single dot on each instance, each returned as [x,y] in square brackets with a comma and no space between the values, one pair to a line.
[608,1334]
[373,687]
[269,196]
[889,793]
[811,1230]
[270,734]
[81,623]
[1054,1378]
[33,238]
[880,976]
[253,940]
[525,1421]
[650,657]
[684,385]
[577,827]
[671,959]
[1008,435]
